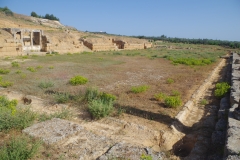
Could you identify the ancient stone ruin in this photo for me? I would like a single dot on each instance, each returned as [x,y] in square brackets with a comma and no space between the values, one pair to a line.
[24,40]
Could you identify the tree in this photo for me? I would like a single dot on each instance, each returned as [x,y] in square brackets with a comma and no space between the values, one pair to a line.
[34,14]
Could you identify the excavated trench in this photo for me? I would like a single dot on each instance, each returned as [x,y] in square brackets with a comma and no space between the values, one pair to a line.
[195,126]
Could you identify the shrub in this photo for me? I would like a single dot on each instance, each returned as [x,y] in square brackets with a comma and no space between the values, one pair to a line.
[160,96]
[78,80]
[62,97]
[91,94]
[15,64]
[173,101]
[7,104]
[107,98]
[221,89]
[31,69]
[4,71]
[5,84]
[51,67]
[20,120]
[44,85]
[98,108]
[19,148]
[170,81]
[139,89]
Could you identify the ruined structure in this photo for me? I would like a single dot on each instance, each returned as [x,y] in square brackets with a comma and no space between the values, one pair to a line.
[103,44]
[23,40]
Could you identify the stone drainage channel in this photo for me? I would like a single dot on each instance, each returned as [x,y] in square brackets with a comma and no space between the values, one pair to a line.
[211,131]
[199,131]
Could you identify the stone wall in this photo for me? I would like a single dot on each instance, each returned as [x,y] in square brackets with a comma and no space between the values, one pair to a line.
[10,47]
[232,148]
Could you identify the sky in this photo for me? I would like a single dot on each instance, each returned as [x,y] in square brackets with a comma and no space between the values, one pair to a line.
[212,19]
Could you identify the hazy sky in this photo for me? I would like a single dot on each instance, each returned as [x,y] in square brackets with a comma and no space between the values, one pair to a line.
[213,19]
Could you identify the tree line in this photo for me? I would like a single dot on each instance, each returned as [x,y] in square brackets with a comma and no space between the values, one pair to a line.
[47,16]
[224,43]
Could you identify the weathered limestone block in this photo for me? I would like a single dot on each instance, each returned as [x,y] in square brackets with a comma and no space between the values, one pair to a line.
[128,151]
[53,131]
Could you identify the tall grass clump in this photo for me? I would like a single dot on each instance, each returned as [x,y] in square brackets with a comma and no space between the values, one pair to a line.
[19,148]
[62,97]
[4,71]
[78,80]
[45,85]
[221,89]
[139,89]
[173,101]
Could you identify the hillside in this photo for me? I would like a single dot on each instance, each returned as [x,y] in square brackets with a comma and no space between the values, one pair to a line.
[31,34]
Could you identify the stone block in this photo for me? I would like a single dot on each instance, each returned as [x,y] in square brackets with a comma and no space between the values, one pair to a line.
[53,131]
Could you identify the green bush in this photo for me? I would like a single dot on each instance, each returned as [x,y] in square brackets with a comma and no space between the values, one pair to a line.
[15,64]
[139,89]
[8,104]
[173,101]
[5,84]
[221,89]
[160,96]
[99,109]
[78,80]
[45,85]
[21,119]
[4,71]
[91,94]
[19,148]
[107,98]
[62,97]
[31,69]
[170,81]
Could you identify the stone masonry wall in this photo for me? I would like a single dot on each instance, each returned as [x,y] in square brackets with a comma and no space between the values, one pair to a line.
[232,148]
